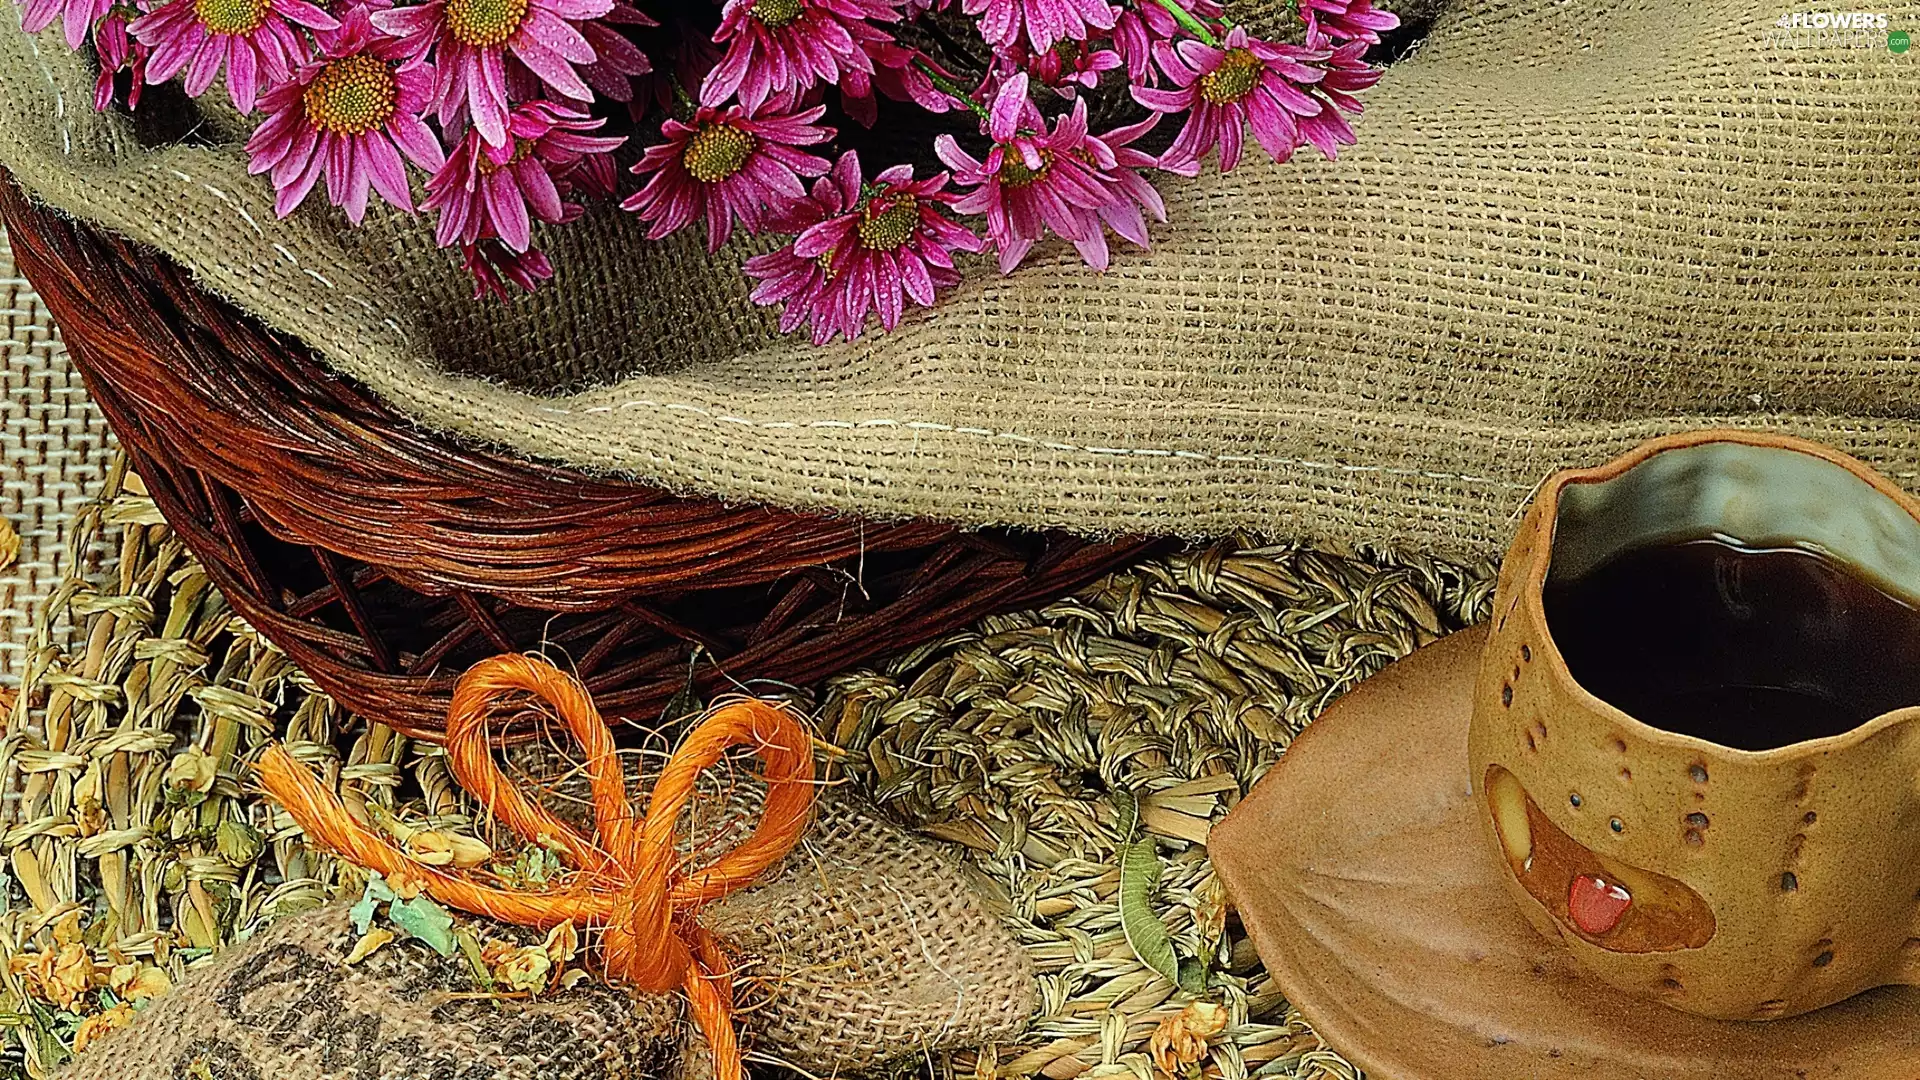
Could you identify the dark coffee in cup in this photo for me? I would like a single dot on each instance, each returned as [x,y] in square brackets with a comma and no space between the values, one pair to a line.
[1750,647]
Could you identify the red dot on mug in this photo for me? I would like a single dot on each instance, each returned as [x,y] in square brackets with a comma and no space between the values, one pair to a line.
[1597,905]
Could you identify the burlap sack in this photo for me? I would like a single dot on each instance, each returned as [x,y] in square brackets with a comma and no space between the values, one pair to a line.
[1568,224]
[865,947]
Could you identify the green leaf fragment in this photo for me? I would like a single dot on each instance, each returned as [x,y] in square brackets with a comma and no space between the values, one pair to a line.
[1127,805]
[1193,976]
[1146,934]
[362,913]
[470,948]
[421,918]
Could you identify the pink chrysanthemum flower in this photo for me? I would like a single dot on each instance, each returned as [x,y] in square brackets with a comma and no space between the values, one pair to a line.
[117,52]
[781,46]
[470,40]
[896,74]
[1347,73]
[727,165]
[862,248]
[1344,20]
[1123,215]
[1141,27]
[1066,68]
[493,267]
[620,60]
[1033,180]
[350,115]
[345,12]
[498,191]
[80,15]
[596,175]
[255,41]
[1040,22]
[1223,89]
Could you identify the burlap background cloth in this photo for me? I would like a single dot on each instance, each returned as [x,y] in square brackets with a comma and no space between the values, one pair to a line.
[55,447]
[1568,225]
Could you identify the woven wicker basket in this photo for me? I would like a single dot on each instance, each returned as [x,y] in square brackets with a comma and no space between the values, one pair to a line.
[385,560]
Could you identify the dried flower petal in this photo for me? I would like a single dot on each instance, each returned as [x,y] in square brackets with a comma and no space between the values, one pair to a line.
[193,770]
[370,942]
[1181,1039]
[95,1026]
[525,969]
[135,981]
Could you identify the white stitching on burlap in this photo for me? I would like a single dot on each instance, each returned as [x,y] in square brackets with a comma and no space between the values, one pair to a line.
[1062,447]
[241,210]
[53,84]
[282,249]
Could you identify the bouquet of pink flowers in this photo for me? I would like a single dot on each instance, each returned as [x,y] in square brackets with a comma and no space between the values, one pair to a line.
[750,114]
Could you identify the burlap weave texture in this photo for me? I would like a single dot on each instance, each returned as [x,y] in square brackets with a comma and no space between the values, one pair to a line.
[56,448]
[866,947]
[1567,226]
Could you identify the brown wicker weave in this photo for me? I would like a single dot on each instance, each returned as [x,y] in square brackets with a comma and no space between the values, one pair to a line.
[385,560]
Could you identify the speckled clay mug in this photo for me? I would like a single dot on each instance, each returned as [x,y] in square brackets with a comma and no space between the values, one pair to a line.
[1734,884]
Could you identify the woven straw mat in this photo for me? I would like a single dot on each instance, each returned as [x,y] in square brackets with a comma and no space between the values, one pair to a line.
[1168,688]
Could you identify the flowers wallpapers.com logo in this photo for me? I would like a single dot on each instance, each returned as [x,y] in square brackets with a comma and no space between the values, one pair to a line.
[1837,30]
[1832,20]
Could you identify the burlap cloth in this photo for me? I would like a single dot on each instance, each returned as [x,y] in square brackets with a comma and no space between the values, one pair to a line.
[865,948]
[54,448]
[1568,225]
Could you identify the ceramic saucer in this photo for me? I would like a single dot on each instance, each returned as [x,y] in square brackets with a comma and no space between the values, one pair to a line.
[1361,870]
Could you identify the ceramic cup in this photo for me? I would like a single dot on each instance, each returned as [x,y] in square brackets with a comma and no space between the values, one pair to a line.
[1730,883]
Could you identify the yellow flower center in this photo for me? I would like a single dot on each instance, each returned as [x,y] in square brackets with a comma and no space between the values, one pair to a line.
[352,95]
[891,227]
[1015,174]
[716,152]
[1233,80]
[776,13]
[231,16]
[485,23]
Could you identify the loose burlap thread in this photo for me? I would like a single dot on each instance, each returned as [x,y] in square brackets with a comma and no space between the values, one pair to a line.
[1566,226]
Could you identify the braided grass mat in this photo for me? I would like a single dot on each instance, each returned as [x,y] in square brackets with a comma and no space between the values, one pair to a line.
[1179,682]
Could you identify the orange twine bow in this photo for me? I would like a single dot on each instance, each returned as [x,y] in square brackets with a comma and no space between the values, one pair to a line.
[631,884]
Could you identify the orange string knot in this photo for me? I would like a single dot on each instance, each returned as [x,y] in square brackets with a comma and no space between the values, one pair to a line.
[631,883]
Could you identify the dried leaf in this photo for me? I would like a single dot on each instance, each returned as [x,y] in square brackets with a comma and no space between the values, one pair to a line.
[9,544]
[563,943]
[429,847]
[66,931]
[476,959]
[572,977]
[469,852]
[423,919]
[369,943]
[238,842]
